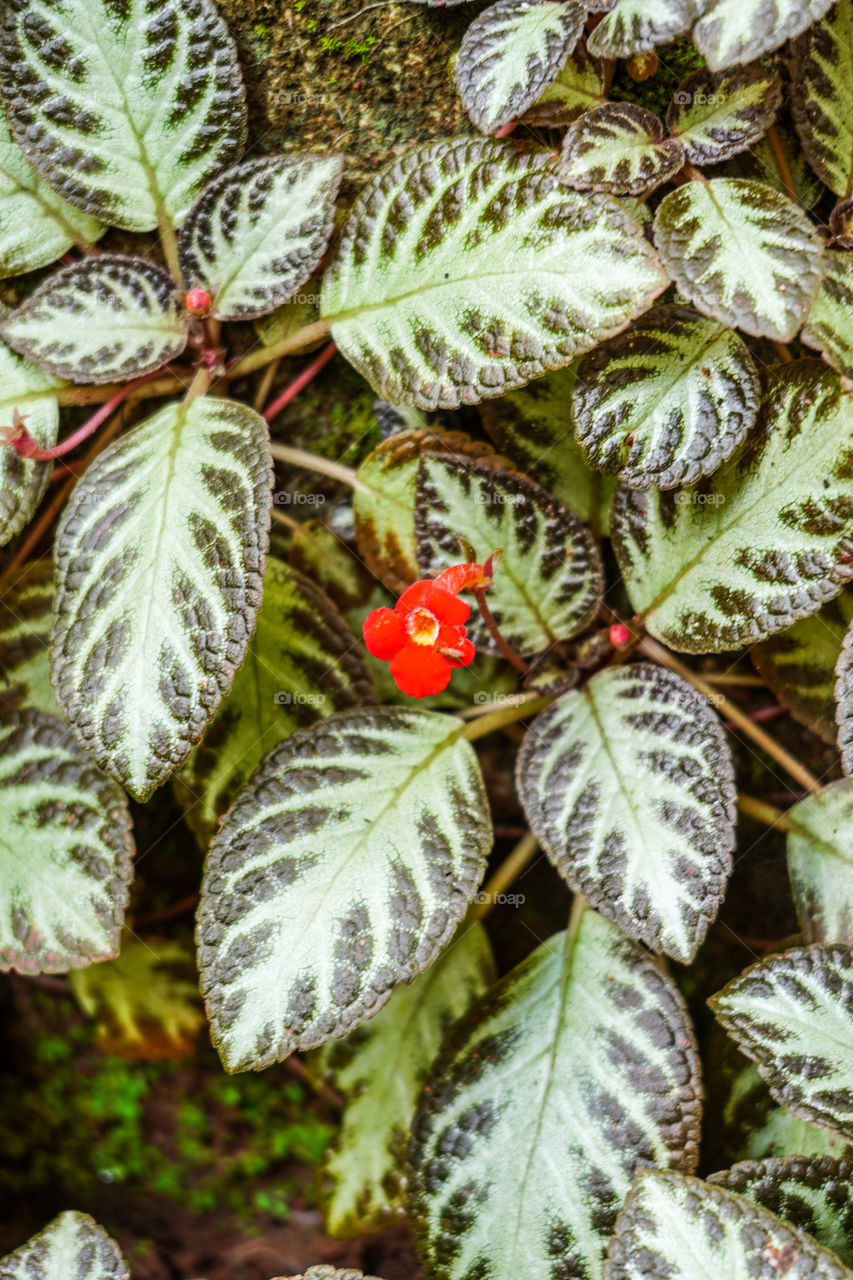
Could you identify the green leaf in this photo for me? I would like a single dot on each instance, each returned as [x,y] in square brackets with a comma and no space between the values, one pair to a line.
[820,863]
[349,1273]
[628,784]
[618,147]
[822,96]
[677,1228]
[510,53]
[667,402]
[71,1245]
[107,319]
[300,665]
[580,85]
[793,1015]
[635,26]
[25,387]
[741,253]
[799,664]
[549,581]
[533,426]
[577,1069]
[814,1195]
[754,1128]
[830,323]
[65,850]
[159,563]
[373,823]
[26,607]
[36,225]
[257,232]
[736,558]
[318,553]
[126,110]
[734,31]
[381,1068]
[716,116]
[762,163]
[418,294]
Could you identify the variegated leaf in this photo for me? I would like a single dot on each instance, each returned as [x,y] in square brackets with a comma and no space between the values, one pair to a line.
[125,110]
[533,425]
[799,664]
[71,1245]
[257,232]
[325,556]
[375,823]
[738,557]
[734,31]
[793,1015]
[813,1194]
[666,402]
[418,295]
[25,387]
[820,863]
[634,26]
[822,96]
[576,1070]
[381,1068]
[620,148]
[26,607]
[629,786]
[677,1228]
[36,224]
[844,701]
[762,164]
[510,53]
[159,562]
[741,253]
[349,1273]
[754,1128]
[579,86]
[65,850]
[829,327]
[550,578]
[300,665]
[716,116]
[106,319]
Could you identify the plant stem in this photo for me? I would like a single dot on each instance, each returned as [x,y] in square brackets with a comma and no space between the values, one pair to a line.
[90,426]
[505,716]
[81,396]
[294,342]
[579,906]
[780,155]
[763,812]
[265,386]
[509,870]
[494,631]
[169,241]
[291,391]
[313,462]
[658,653]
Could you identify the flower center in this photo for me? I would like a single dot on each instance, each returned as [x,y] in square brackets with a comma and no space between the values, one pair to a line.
[422,626]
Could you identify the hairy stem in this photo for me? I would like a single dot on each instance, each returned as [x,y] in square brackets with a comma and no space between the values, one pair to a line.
[90,426]
[494,631]
[292,390]
[516,861]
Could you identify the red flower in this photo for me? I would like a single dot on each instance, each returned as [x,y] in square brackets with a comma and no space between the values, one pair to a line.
[423,636]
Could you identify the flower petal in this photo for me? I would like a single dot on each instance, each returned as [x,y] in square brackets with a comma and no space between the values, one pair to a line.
[418,671]
[462,577]
[384,633]
[463,653]
[425,594]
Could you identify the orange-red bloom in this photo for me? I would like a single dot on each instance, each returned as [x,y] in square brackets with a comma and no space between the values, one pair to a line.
[423,636]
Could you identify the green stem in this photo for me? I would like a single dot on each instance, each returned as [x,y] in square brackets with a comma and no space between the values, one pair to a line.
[509,870]
[494,720]
[579,906]
[313,462]
[169,241]
[763,812]
[294,342]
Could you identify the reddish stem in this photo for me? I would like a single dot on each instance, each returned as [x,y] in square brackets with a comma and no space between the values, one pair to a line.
[26,446]
[506,649]
[297,384]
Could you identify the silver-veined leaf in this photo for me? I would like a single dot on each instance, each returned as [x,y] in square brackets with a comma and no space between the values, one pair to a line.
[579,86]
[257,232]
[106,319]
[36,224]
[618,147]
[820,863]
[65,850]
[813,1194]
[677,1228]
[755,1128]
[844,701]
[548,583]
[629,786]
[419,295]
[799,664]
[829,327]
[635,26]
[372,825]
[735,31]
[300,665]
[741,253]
[126,110]
[666,402]
[26,607]
[733,559]
[159,564]
[510,53]
[576,1070]
[71,1245]
[822,96]
[381,1068]
[793,1015]
[325,1272]
[25,387]
[716,116]
[762,164]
